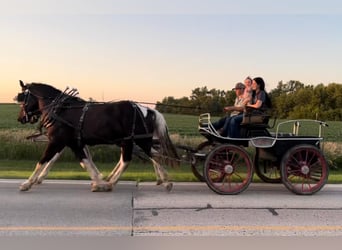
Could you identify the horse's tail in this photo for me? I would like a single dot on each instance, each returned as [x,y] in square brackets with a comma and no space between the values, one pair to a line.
[167,150]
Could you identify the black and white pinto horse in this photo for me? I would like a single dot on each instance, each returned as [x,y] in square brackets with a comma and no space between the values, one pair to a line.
[72,122]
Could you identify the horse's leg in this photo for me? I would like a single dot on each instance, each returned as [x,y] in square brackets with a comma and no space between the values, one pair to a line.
[48,166]
[120,169]
[51,154]
[125,158]
[115,169]
[146,146]
[97,183]
[156,171]
[163,175]
[88,155]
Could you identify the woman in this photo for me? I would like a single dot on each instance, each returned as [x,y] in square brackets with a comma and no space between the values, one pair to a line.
[260,101]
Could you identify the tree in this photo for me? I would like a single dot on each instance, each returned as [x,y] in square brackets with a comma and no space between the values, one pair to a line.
[293,99]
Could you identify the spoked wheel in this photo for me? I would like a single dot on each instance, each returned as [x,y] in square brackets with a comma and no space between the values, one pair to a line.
[304,169]
[228,169]
[198,158]
[266,168]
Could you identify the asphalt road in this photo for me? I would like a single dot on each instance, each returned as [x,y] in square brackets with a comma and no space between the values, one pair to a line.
[69,208]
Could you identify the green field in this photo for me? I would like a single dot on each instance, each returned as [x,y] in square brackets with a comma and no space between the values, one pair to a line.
[18,155]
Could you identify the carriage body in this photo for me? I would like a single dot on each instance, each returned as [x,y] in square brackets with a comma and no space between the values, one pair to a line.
[287,155]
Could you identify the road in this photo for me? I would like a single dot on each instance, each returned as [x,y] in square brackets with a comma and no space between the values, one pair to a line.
[69,208]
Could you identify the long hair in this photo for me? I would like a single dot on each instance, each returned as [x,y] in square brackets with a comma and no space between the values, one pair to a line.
[261,84]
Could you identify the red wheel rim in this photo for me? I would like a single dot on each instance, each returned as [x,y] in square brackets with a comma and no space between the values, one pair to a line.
[305,170]
[228,170]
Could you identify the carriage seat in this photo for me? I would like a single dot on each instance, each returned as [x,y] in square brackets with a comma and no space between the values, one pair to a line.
[255,123]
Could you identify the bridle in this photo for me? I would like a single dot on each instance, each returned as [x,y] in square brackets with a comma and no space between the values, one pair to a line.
[29,116]
[51,109]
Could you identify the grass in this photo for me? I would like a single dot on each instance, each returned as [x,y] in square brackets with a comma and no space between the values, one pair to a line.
[137,171]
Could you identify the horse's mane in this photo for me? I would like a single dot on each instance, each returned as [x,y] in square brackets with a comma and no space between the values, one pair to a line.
[47,91]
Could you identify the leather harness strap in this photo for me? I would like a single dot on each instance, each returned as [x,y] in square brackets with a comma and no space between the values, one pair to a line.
[80,124]
[133,135]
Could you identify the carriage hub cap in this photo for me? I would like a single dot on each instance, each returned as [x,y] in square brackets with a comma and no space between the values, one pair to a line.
[305,169]
[228,169]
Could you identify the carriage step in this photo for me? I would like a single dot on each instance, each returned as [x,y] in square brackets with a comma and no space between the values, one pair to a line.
[203,155]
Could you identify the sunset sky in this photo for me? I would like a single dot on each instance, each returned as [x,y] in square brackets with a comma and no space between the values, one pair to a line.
[145,50]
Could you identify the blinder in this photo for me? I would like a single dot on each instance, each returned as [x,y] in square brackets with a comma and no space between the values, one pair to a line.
[27,115]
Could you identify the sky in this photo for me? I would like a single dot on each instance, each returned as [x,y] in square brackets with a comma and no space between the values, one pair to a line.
[145,50]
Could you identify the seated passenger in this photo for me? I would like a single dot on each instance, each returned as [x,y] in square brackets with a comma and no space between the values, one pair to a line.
[260,101]
[222,125]
[247,95]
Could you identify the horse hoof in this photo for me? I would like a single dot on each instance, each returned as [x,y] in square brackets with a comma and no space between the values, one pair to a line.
[101,188]
[159,182]
[95,188]
[169,187]
[24,187]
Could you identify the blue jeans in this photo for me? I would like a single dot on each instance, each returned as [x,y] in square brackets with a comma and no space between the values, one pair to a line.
[219,124]
[223,124]
[234,126]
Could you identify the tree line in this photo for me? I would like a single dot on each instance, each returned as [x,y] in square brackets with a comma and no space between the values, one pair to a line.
[290,100]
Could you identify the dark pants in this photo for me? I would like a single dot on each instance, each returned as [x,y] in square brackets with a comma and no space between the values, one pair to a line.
[224,125]
[234,126]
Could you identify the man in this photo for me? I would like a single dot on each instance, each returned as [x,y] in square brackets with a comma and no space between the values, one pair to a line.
[222,125]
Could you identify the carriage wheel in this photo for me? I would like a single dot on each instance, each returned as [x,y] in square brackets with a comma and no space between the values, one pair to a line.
[304,169]
[198,158]
[228,169]
[266,169]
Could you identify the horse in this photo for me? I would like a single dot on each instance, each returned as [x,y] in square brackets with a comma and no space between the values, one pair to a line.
[70,121]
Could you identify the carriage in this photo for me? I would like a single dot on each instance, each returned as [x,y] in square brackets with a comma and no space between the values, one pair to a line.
[290,157]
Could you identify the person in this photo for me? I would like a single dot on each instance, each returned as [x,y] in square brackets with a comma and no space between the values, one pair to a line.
[260,98]
[222,125]
[247,95]
[260,101]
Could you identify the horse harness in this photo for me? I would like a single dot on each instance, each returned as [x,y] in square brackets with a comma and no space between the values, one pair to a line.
[53,115]
[132,136]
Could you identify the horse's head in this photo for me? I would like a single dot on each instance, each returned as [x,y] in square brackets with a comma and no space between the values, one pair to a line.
[29,105]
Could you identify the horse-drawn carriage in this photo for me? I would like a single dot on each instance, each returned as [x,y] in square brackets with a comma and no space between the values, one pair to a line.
[291,158]
[224,163]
